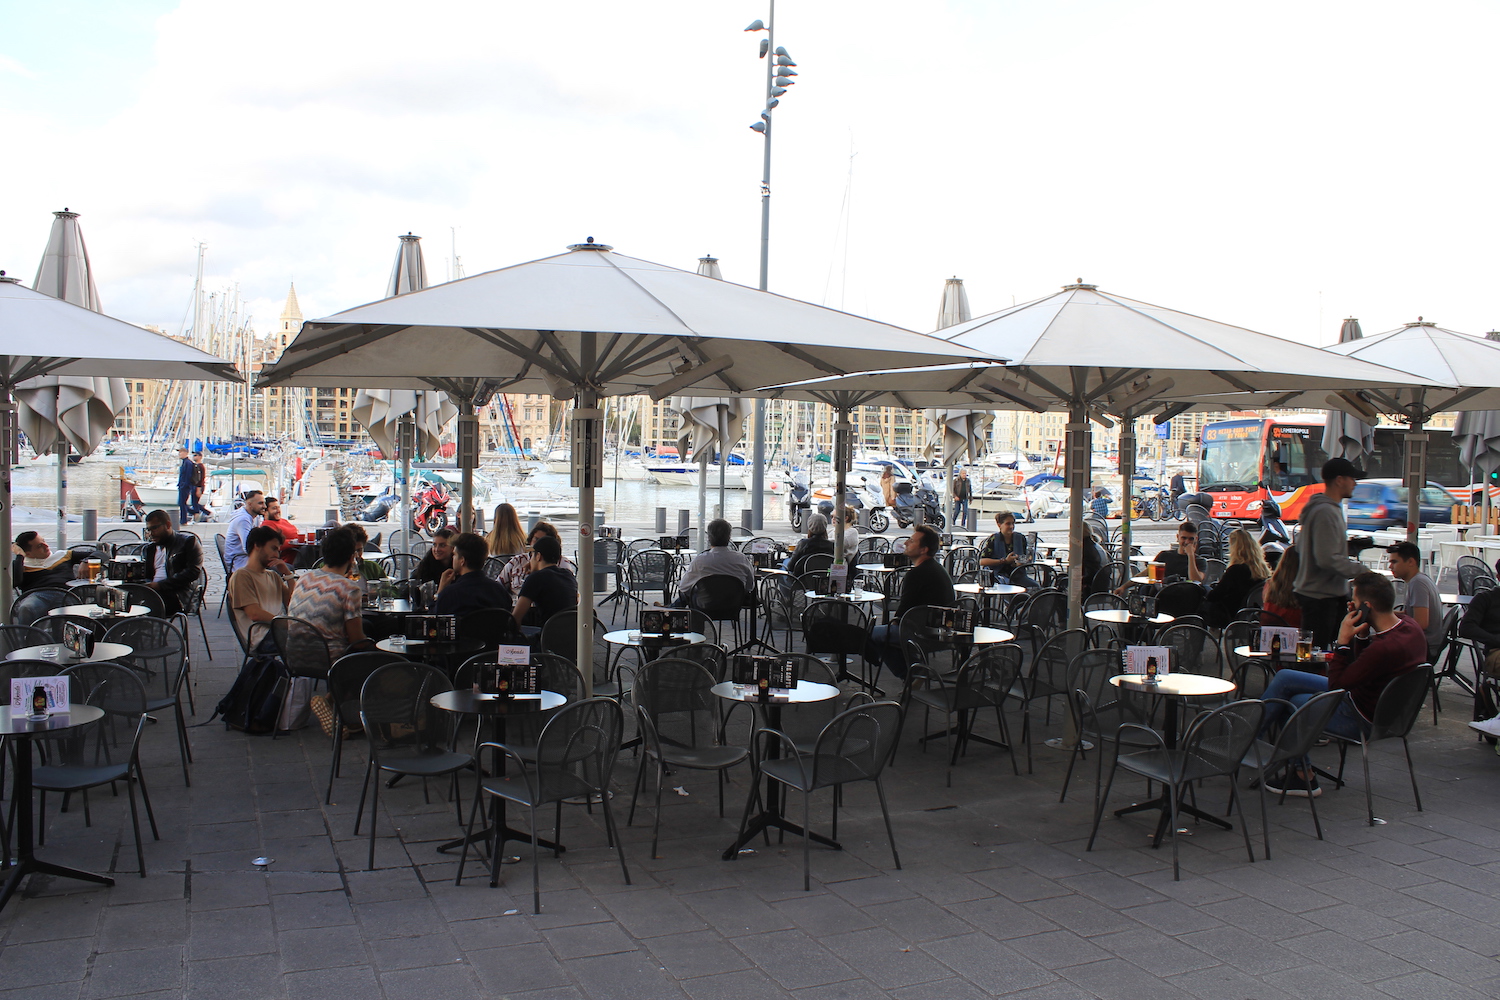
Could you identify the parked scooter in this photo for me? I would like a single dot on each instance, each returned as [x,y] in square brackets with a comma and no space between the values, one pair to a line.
[909,501]
[380,506]
[1274,539]
[798,501]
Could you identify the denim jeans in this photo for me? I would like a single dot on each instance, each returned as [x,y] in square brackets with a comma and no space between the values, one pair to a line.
[1299,687]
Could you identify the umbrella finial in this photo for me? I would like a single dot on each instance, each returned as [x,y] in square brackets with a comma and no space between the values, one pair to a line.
[1079,285]
[590,245]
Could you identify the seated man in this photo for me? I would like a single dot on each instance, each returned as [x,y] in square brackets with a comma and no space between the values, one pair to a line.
[363,569]
[35,566]
[926,583]
[1185,563]
[439,558]
[288,531]
[464,587]
[1375,644]
[1005,552]
[260,590]
[548,588]
[175,559]
[1422,601]
[719,559]
[1481,623]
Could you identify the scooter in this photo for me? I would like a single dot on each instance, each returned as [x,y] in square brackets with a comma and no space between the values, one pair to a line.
[798,501]
[380,506]
[1274,539]
[908,501]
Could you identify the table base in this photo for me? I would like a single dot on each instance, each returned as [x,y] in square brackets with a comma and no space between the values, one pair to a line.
[768,820]
[1183,809]
[25,825]
[26,866]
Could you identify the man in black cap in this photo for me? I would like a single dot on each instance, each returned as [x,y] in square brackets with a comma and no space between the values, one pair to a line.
[1322,584]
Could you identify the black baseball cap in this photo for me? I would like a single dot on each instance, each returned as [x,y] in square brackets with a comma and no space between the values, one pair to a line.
[1335,467]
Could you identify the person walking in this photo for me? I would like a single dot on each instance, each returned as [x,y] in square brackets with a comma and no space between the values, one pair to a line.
[200,484]
[963,492]
[1322,585]
[187,476]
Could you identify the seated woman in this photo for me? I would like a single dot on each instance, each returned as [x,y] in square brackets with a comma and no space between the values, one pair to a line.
[507,537]
[1005,553]
[1247,567]
[329,600]
[817,542]
[362,568]
[514,575]
[1278,598]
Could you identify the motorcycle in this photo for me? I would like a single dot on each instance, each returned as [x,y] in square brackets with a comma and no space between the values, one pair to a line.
[798,501]
[1274,539]
[430,508]
[380,506]
[909,501]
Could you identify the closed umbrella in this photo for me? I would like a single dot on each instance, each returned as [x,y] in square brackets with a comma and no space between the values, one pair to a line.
[706,423]
[80,342]
[1096,353]
[1345,435]
[587,324]
[1477,435]
[954,431]
[381,411]
[62,414]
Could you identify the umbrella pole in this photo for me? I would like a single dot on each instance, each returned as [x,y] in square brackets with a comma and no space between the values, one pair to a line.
[1077,470]
[405,436]
[723,454]
[468,424]
[61,448]
[588,454]
[1127,471]
[1416,470]
[8,448]
[702,495]
[843,451]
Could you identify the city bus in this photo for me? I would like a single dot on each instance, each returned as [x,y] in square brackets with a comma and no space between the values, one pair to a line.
[1241,462]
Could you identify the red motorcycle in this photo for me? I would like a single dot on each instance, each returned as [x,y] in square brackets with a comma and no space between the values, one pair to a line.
[430,508]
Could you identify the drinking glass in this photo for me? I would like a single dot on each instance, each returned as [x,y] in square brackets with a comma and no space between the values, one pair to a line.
[1304,646]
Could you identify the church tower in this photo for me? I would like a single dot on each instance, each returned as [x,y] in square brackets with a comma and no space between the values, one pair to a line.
[291,320]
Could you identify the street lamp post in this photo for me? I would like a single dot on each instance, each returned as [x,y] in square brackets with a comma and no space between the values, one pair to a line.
[779,73]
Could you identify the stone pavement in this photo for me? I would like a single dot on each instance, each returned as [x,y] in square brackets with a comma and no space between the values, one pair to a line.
[996,897]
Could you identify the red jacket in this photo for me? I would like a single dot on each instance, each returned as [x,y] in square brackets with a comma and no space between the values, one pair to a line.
[1370,664]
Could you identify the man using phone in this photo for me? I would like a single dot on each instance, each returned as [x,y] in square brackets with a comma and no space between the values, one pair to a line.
[1375,644]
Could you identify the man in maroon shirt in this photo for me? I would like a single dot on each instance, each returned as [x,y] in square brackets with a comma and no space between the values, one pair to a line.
[1375,644]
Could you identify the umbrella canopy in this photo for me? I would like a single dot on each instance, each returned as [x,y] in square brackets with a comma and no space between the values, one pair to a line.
[587,324]
[1092,353]
[1344,434]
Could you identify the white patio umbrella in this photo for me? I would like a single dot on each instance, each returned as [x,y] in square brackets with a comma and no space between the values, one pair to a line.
[1446,371]
[63,414]
[1094,353]
[83,343]
[1344,434]
[381,411]
[587,324]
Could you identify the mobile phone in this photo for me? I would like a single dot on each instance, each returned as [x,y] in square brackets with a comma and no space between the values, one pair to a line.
[1362,614]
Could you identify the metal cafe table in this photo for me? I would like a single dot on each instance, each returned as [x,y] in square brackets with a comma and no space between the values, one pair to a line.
[63,657]
[771,816]
[20,731]
[494,710]
[96,611]
[1173,688]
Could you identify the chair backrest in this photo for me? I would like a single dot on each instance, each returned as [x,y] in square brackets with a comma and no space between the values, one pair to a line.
[651,569]
[52,625]
[347,677]
[1304,727]
[1112,576]
[1104,602]
[1213,570]
[560,636]
[675,698]
[1217,741]
[833,626]
[36,603]
[721,598]
[143,595]
[1400,703]
[219,545]
[493,566]
[961,559]
[83,593]
[395,708]
[857,743]
[114,535]
[14,637]
[1179,599]
[1194,650]
[579,744]
[1045,576]
[987,677]
[816,562]
[707,654]
[420,547]
[302,647]
[158,652]
[119,693]
[1049,667]
[1044,610]
[493,626]
[874,545]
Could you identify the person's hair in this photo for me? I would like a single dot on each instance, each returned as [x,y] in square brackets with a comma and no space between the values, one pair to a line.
[1375,589]
[272,500]
[24,540]
[549,548]
[931,540]
[472,548]
[545,528]
[1245,550]
[260,535]
[718,532]
[507,535]
[817,526]
[1406,550]
[158,515]
[1189,527]
[197,454]
[252,494]
[887,471]
[445,533]
[360,534]
[1003,516]
[182,449]
[1278,590]
[850,514]
[338,548]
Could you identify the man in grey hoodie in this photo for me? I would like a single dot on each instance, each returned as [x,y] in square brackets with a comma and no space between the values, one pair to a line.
[1322,584]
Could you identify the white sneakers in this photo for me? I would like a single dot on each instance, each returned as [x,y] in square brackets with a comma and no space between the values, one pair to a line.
[1489,727]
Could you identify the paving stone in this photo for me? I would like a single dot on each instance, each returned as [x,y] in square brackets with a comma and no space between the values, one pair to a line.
[123,973]
[885,959]
[144,925]
[346,984]
[800,960]
[451,982]
[236,979]
[993,967]
[1117,979]
[517,969]
[312,948]
[311,909]
[735,986]
[245,930]
[584,940]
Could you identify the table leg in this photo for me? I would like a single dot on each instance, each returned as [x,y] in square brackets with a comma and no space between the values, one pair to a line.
[503,832]
[1161,802]
[771,816]
[26,862]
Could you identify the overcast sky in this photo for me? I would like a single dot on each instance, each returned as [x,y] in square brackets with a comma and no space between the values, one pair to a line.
[1276,165]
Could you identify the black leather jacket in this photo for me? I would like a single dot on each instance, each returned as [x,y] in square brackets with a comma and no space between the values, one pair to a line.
[184,559]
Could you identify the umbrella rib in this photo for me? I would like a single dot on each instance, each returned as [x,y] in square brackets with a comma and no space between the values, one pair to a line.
[1107,384]
[336,346]
[37,367]
[807,358]
[573,370]
[532,355]
[633,358]
[1233,380]
[648,293]
[695,346]
[1032,375]
[1457,397]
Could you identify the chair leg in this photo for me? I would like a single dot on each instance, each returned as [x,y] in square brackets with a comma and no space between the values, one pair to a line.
[374,812]
[1234,800]
[885,812]
[609,825]
[661,779]
[1313,805]
[364,790]
[807,841]
[1174,791]
[1103,799]
[140,777]
[635,795]
[1412,771]
[468,833]
[536,865]
[1265,820]
[1364,752]
[338,753]
[1072,760]
[135,822]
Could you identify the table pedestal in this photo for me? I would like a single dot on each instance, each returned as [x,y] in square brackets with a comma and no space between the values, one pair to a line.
[26,861]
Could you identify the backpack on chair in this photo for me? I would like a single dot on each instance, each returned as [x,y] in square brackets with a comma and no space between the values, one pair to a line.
[255,699]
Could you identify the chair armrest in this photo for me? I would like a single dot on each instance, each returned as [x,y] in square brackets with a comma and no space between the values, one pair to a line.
[1155,738]
[787,744]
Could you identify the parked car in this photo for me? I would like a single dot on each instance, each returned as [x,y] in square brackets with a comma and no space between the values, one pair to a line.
[1381,503]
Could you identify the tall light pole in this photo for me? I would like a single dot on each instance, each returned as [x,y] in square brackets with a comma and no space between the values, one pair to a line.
[779,73]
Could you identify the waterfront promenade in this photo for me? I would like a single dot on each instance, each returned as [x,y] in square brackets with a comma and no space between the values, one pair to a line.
[997,896]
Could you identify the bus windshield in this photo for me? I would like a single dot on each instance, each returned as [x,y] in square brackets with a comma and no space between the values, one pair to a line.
[1294,456]
[1231,457]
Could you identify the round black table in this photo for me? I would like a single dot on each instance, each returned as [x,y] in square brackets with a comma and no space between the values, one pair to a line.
[56,652]
[22,731]
[495,711]
[805,693]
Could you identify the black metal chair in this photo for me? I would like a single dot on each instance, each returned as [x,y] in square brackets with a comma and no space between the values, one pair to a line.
[14,637]
[159,655]
[1180,599]
[52,626]
[574,757]
[1395,713]
[1194,650]
[97,755]
[492,626]
[192,607]
[841,629]
[1213,746]
[302,647]
[984,681]
[1472,569]
[681,727]
[114,536]
[855,746]
[651,570]
[147,597]
[345,681]
[1047,677]
[720,599]
[407,735]
[36,603]
[1099,709]
[1299,734]
[560,636]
